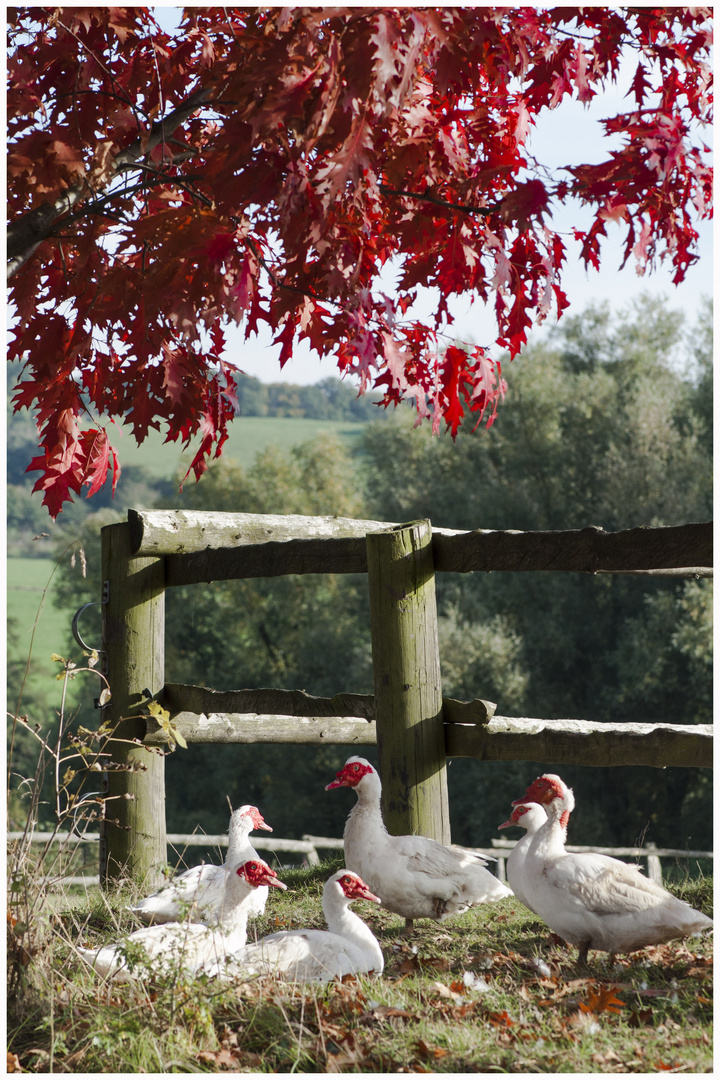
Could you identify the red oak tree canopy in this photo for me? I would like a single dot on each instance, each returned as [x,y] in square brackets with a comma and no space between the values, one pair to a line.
[264,165]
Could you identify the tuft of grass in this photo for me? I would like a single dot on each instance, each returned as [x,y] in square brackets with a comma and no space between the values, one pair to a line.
[489,991]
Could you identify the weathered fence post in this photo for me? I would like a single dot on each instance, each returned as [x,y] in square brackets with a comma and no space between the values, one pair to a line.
[134,643]
[408,691]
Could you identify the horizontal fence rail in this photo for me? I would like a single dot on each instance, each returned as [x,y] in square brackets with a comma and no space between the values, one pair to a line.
[309,845]
[262,843]
[501,849]
[234,546]
[292,716]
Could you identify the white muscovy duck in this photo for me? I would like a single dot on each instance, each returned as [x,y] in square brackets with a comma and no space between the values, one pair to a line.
[591,900]
[416,877]
[530,817]
[347,947]
[199,890]
[164,948]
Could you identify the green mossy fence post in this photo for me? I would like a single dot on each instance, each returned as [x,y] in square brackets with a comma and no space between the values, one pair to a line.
[134,644]
[408,691]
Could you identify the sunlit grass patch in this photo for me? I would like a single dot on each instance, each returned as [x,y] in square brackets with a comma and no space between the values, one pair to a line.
[490,991]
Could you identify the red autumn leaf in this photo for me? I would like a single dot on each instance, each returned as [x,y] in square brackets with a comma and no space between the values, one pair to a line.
[97,450]
[268,164]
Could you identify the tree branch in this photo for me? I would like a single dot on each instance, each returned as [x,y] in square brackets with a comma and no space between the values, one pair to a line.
[27,232]
[484,210]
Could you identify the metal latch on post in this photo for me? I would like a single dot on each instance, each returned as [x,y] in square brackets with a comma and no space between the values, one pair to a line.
[102,654]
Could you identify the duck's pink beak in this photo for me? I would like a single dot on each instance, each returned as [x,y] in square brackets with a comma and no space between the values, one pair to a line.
[363,893]
[339,781]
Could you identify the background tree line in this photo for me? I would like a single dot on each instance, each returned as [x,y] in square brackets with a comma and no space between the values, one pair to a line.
[609,423]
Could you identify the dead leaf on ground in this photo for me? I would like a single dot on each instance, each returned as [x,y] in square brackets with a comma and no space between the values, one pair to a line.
[500,1019]
[440,963]
[352,1055]
[641,1018]
[13,1063]
[602,1000]
[431,1052]
[608,1058]
[222,1059]
[228,1037]
[388,1012]
[445,991]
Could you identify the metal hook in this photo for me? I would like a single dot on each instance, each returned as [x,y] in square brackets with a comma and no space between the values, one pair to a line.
[78,613]
[76,620]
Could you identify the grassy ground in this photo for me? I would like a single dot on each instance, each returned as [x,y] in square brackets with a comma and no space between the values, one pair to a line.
[490,991]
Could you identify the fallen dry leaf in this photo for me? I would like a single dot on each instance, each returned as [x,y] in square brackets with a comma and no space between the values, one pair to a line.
[641,1018]
[223,1059]
[602,1000]
[440,963]
[446,991]
[433,1052]
[388,1012]
[500,1019]
[608,1058]
[13,1063]
[352,1055]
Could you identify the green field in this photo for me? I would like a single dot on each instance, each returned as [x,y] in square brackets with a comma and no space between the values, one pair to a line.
[27,578]
[248,435]
[26,581]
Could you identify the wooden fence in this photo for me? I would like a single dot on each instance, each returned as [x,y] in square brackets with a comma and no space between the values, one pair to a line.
[309,845]
[414,727]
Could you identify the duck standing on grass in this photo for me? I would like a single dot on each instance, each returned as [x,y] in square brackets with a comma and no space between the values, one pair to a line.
[416,877]
[591,900]
[347,947]
[200,890]
[163,949]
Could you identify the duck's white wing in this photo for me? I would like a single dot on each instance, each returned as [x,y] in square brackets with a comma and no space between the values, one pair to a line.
[156,949]
[198,891]
[606,886]
[441,871]
[302,955]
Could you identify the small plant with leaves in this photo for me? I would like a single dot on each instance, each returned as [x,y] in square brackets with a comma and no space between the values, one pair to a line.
[77,758]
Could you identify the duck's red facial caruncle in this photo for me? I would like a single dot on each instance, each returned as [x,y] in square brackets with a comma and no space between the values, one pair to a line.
[355,888]
[544,790]
[351,773]
[256,872]
[258,820]
[519,812]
